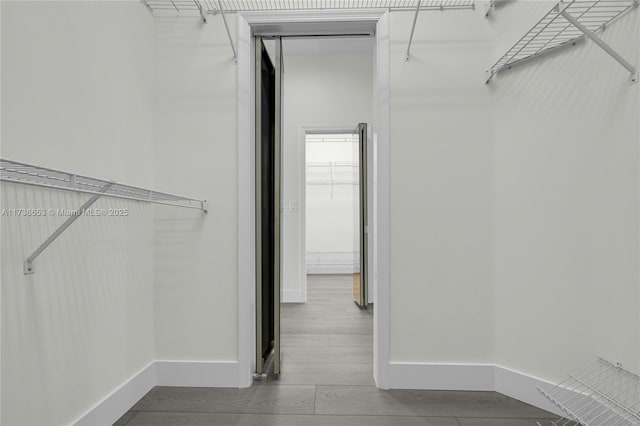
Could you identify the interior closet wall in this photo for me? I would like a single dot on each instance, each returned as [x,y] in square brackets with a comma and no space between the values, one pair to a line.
[441,189]
[327,82]
[566,202]
[195,151]
[77,95]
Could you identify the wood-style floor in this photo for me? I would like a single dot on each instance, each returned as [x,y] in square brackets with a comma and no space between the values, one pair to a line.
[327,380]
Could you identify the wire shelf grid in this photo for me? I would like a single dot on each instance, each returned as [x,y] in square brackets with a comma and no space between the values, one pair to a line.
[332,173]
[16,172]
[553,31]
[233,6]
[602,394]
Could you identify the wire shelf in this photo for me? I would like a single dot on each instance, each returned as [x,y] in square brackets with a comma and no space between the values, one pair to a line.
[16,172]
[602,394]
[233,6]
[332,173]
[554,31]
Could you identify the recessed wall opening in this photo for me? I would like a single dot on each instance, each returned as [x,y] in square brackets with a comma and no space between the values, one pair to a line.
[319,242]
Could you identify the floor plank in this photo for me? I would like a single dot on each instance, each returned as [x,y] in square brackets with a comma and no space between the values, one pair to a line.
[368,400]
[283,399]
[508,422]
[208,419]
[327,355]
[322,374]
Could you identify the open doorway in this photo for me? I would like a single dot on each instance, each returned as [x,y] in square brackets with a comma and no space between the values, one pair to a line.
[375,23]
[311,195]
[328,339]
[335,208]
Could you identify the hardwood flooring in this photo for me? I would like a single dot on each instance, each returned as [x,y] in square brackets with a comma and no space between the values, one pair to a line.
[327,380]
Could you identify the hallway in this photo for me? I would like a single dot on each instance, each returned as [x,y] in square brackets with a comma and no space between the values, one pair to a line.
[327,380]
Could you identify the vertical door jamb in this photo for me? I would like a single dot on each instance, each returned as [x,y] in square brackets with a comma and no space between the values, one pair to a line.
[258,201]
[277,214]
[364,217]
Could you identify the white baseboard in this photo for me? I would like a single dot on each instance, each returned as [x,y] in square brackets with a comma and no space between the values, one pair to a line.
[474,377]
[402,375]
[118,402]
[215,374]
[470,377]
[219,374]
[293,296]
[524,387]
[332,262]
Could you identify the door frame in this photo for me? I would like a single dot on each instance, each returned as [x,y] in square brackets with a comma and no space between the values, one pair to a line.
[302,195]
[379,219]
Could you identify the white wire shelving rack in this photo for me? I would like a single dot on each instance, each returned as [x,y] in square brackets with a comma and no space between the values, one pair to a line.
[602,394]
[567,24]
[233,6]
[203,8]
[29,174]
[332,173]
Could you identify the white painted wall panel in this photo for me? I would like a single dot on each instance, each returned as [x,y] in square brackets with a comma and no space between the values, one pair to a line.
[566,203]
[77,95]
[195,152]
[441,189]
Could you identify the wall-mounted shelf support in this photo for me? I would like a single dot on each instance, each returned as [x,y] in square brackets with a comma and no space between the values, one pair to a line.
[201,10]
[226,25]
[566,24]
[597,40]
[413,27]
[492,5]
[28,264]
[28,174]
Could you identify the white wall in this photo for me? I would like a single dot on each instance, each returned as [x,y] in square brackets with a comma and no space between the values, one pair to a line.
[441,181]
[77,94]
[566,202]
[331,84]
[195,153]
[331,209]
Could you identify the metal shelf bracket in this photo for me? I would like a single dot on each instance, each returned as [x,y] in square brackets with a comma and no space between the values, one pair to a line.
[28,264]
[493,5]
[201,10]
[597,40]
[413,27]
[226,25]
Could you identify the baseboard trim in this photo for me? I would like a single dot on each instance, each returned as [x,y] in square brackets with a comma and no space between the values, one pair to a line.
[523,387]
[219,374]
[402,375]
[332,262]
[215,374]
[118,402]
[293,296]
[470,377]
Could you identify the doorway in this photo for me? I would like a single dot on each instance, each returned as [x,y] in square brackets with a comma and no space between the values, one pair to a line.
[335,207]
[331,21]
